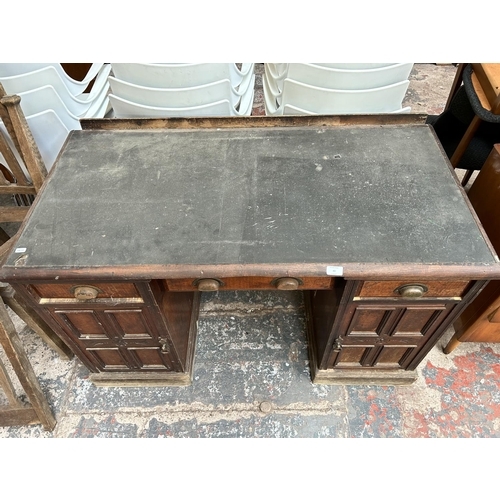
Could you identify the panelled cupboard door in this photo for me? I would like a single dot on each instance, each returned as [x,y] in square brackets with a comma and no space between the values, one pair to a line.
[386,336]
[116,338]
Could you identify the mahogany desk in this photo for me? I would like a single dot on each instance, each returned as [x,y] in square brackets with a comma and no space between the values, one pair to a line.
[138,217]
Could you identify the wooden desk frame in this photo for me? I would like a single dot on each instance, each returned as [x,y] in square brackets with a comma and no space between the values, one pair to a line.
[369,323]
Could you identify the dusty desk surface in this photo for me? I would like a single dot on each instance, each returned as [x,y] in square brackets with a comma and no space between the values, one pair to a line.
[381,195]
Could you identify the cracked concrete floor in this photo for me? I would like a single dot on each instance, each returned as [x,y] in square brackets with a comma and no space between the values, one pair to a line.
[251,375]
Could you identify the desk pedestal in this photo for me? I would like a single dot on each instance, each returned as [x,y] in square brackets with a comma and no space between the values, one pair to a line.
[143,333]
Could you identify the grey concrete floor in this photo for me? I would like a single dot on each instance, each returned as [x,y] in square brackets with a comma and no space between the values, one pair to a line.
[251,376]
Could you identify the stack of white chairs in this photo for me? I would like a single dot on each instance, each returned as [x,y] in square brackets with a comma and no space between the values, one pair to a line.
[144,90]
[335,88]
[53,102]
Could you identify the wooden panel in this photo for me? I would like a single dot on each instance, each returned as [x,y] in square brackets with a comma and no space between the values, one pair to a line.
[370,321]
[475,323]
[322,307]
[478,322]
[117,340]
[402,119]
[351,356]
[13,214]
[392,356]
[180,314]
[12,416]
[131,322]
[251,283]
[150,358]
[484,196]
[368,356]
[66,290]
[110,358]
[82,323]
[417,320]
[435,288]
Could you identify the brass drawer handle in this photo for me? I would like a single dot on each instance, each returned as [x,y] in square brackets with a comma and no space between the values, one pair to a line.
[411,291]
[287,283]
[86,292]
[208,285]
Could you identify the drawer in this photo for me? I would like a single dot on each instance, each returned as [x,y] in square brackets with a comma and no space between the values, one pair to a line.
[413,289]
[84,291]
[250,283]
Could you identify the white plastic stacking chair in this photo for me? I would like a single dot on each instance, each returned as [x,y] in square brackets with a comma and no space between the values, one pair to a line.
[276,71]
[354,65]
[48,76]
[44,98]
[348,79]
[288,109]
[75,87]
[183,75]
[182,97]
[126,109]
[49,133]
[328,101]
[274,74]
[98,109]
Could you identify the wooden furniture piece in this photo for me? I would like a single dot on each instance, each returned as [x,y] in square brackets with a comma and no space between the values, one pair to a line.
[480,321]
[362,213]
[485,79]
[488,78]
[37,411]
[33,321]
[457,82]
[25,183]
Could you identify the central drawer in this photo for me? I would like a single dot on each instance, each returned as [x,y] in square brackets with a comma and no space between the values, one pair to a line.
[249,283]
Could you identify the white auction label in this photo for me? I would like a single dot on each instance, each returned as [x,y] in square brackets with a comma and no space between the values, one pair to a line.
[20,250]
[335,270]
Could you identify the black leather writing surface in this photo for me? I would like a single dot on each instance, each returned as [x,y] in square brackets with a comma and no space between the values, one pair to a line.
[371,194]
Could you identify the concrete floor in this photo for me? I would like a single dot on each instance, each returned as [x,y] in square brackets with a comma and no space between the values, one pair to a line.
[251,375]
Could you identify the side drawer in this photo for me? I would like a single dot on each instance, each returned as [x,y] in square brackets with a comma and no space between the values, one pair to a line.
[250,283]
[414,289]
[70,292]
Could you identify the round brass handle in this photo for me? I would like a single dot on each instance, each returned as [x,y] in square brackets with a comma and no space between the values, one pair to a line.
[208,285]
[287,284]
[85,292]
[411,291]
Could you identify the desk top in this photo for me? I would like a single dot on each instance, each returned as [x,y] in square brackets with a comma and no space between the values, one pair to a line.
[245,201]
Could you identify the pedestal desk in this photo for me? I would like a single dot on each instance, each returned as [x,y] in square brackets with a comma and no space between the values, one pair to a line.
[362,213]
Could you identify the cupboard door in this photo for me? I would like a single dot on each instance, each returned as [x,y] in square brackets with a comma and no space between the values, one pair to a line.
[120,339]
[386,336]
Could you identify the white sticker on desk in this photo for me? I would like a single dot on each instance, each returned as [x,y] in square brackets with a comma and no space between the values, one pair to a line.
[20,250]
[335,270]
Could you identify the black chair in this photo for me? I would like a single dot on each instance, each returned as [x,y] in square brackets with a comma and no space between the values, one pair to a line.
[466,130]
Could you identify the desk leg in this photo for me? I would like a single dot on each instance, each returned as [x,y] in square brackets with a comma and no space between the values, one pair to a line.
[464,142]
[452,344]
